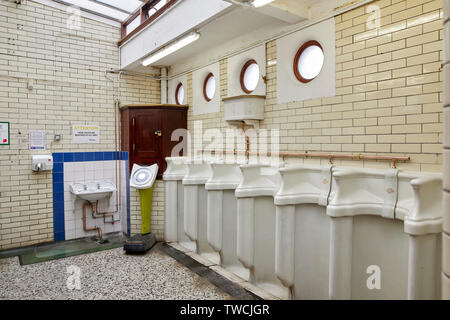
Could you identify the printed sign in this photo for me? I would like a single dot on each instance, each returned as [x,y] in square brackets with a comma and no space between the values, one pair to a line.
[4,133]
[85,134]
[37,140]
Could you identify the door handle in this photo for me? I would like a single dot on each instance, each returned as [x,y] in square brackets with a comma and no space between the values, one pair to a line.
[158,133]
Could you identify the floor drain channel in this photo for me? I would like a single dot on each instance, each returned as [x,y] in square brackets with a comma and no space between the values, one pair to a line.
[233,289]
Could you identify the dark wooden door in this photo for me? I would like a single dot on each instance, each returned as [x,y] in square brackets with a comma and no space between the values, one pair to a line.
[172,121]
[146,137]
[147,133]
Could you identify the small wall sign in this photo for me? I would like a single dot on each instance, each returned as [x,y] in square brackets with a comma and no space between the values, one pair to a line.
[4,133]
[85,134]
[37,140]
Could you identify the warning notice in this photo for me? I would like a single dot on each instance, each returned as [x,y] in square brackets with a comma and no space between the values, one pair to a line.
[85,134]
[4,133]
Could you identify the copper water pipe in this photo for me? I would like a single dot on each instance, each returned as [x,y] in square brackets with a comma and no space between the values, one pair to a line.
[115,143]
[103,214]
[98,229]
[118,179]
[329,156]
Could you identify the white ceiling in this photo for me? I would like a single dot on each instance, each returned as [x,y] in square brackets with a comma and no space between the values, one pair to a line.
[222,30]
[239,28]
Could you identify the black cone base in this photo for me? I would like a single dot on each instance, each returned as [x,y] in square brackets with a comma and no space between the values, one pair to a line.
[140,243]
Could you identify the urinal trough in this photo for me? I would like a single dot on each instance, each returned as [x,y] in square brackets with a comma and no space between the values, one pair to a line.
[222,215]
[195,207]
[174,203]
[256,226]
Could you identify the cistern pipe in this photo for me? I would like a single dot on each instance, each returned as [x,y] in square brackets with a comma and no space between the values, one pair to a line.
[247,142]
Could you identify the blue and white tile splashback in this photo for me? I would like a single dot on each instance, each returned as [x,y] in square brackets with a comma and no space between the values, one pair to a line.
[71,167]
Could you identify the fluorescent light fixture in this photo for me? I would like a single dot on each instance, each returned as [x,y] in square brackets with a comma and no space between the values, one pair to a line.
[260,3]
[177,45]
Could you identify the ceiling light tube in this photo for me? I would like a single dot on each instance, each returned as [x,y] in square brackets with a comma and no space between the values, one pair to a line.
[260,3]
[177,45]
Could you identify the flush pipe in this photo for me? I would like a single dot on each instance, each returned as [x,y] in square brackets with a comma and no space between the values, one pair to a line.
[330,156]
[247,141]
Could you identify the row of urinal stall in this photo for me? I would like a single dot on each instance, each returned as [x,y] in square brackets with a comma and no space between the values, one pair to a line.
[310,232]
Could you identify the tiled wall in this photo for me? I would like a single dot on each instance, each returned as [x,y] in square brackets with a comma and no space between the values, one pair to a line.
[66,68]
[83,167]
[388,91]
[446,183]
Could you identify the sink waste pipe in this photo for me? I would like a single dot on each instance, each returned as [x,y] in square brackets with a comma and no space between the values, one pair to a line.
[98,229]
[104,215]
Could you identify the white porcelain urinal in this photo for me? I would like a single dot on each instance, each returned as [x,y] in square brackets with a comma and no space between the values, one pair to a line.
[222,214]
[384,241]
[419,205]
[195,207]
[303,231]
[174,202]
[256,226]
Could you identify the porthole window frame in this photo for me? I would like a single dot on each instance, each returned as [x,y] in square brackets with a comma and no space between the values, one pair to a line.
[179,85]
[242,75]
[303,47]
[209,75]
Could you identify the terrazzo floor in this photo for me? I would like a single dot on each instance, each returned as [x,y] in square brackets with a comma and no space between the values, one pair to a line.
[105,275]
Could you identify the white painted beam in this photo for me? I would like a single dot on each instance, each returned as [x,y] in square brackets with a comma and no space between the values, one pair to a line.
[286,10]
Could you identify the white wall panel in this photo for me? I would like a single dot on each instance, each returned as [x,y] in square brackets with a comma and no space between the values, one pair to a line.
[199,103]
[234,67]
[324,85]
[173,83]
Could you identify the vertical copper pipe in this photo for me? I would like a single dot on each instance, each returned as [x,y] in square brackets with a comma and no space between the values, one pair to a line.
[115,146]
[119,147]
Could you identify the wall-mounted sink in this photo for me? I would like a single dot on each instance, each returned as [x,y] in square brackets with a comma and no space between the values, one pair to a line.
[93,191]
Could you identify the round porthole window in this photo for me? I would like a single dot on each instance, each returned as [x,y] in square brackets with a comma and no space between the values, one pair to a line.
[179,94]
[249,76]
[308,61]
[209,87]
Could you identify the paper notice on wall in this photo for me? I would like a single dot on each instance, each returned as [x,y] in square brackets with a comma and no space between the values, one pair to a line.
[37,140]
[4,133]
[85,134]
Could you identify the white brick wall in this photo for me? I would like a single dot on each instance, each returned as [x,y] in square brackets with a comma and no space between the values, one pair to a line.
[388,100]
[67,70]
[388,91]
